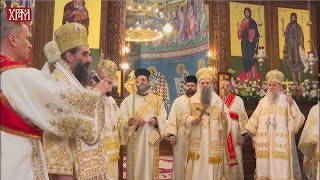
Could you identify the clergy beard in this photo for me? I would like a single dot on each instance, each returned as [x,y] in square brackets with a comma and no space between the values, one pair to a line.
[273,97]
[205,96]
[190,92]
[143,88]
[81,74]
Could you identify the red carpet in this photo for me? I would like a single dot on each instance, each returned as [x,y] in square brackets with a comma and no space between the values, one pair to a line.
[165,166]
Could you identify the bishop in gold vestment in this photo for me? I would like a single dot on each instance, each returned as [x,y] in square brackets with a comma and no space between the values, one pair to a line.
[207,123]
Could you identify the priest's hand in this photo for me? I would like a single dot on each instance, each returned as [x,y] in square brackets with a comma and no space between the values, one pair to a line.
[253,142]
[103,87]
[141,122]
[173,140]
[196,121]
[133,121]
[109,82]
[241,140]
[152,122]
[289,99]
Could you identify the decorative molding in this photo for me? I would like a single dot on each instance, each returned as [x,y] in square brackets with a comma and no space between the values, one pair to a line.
[115,31]
[219,35]
[172,54]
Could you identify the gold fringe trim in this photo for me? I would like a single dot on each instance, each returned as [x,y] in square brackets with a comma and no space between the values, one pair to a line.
[194,155]
[215,159]
[277,155]
[111,146]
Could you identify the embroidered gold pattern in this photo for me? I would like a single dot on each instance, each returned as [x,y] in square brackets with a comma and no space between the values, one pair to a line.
[278,111]
[267,178]
[277,155]
[75,127]
[156,161]
[60,110]
[83,102]
[38,167]
[60,76]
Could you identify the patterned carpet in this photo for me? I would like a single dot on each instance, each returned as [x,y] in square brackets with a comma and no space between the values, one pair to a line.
[165,167]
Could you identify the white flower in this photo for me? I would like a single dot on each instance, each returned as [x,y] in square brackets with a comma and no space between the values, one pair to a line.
[304,94]
[254,82]
[308,87]
[306,81]
[314,86]
[253,89]
[313,93]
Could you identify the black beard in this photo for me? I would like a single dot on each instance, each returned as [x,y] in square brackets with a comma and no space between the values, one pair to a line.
[206,95]
[190,92]
[81,74]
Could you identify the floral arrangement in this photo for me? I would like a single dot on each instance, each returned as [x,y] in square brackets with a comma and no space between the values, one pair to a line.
[305,91]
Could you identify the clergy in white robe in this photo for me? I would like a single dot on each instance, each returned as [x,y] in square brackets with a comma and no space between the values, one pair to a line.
[53,55]
[207,123]
[239,117]
[110,134]
[175,128]
[70,158]
[32,103]
[269,129]
[142,129]
[309,144]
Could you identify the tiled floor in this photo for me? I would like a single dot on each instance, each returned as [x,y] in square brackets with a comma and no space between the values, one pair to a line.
[165,166]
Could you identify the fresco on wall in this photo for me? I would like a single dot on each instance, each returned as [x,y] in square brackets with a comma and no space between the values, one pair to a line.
[167,75]
[247,29]
[81,11]
[189,20]
[294,43]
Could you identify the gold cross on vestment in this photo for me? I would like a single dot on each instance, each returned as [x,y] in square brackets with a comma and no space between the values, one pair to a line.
[203,111]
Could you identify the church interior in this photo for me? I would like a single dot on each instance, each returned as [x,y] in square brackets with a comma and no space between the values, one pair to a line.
[176,38]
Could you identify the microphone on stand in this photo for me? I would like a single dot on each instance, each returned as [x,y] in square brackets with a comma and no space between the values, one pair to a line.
[95,77]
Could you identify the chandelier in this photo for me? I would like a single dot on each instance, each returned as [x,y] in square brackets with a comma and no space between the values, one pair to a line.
[144,21]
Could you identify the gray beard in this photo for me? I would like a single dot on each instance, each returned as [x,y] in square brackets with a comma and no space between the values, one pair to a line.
[205,95]
[273,97]
[143,88]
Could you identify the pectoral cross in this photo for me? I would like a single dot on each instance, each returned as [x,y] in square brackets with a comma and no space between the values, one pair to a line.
[203,111]
[268,123]
[287,83]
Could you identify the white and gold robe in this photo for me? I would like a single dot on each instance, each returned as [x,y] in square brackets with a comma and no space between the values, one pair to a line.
[142,155]
[111,141]
[269,127]
[309,144]
[176,126]
[239,118]
[205,140]
[51,106]
[72,156]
